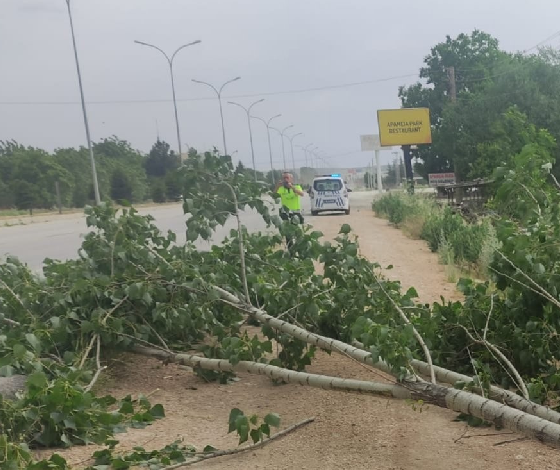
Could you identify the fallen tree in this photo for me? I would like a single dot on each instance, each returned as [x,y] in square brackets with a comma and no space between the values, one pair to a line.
[499,414]
[134,286]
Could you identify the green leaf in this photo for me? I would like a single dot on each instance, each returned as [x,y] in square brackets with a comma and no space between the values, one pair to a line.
[351,249]
[233,415]
[19,351]
[412,293]
[119,464]
[157,411]
[126,408]
[256,435]
[345,229]
[34,342]
[539,268]
[272,419]
[66,440]
[37,379]
[265,428]
[243,430]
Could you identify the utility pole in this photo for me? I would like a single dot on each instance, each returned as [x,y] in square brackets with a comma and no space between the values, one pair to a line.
[397,164]
[84,110]
[453,96]
[407,151]
[452,84]
[58,199]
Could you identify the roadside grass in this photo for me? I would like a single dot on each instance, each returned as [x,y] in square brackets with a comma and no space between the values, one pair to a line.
[465,249]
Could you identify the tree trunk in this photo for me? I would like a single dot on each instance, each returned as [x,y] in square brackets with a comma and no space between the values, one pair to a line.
[443,375]
[456,400]
[497,393]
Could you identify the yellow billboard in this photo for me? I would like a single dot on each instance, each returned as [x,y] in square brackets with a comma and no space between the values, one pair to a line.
[407,126]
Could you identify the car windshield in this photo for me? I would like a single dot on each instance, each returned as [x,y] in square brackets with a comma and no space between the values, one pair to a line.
[333,184]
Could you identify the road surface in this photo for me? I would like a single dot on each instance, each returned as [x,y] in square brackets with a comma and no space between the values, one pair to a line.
[60,237]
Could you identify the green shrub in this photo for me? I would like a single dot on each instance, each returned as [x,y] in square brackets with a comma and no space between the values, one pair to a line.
[399,208]
[393,206]
[471,245]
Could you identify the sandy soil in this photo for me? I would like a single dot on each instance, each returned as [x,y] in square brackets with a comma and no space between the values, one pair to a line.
[350,431]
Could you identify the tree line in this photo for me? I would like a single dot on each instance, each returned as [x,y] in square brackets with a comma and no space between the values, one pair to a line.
[29,176]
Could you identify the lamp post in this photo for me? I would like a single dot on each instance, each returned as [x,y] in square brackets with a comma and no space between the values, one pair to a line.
[291,139]
[219,94]
[248,111]
[170,62]
[313,152]
[306,150]
[267,124]
[84,111]
[282,135]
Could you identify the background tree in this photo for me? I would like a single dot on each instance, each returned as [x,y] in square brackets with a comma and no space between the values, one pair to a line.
[475,58]
[158,191]
[161,160]
[121,188]
[489,83]
[26,196]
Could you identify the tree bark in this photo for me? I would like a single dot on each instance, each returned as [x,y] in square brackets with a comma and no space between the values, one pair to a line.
[443,375]
[457,400]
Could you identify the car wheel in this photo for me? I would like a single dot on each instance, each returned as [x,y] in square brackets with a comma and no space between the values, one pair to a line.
[347,211]
[314,212]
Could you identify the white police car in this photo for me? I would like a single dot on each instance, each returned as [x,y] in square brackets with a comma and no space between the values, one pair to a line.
[329,193]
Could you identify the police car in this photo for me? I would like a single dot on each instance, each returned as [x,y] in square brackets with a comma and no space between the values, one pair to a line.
[329,193]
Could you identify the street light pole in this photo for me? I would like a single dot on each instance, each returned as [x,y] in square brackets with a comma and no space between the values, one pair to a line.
[170,62]
[267,124]
[306,150]
[282,135]
[291,139]
[313,152]
[219,94]
[84,111]
[248,111]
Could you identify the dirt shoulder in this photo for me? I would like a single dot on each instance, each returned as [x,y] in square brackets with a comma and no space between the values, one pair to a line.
[350,431]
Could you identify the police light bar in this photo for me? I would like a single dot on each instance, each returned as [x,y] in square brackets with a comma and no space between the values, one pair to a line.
[335,174]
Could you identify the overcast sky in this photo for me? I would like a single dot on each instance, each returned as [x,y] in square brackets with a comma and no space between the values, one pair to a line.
[274,45]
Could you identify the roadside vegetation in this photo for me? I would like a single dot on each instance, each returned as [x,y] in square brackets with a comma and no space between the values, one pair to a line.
[463,247]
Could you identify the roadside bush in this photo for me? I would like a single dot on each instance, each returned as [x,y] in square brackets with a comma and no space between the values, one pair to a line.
[158,191]
[405,211]
[466,245]
[394,207]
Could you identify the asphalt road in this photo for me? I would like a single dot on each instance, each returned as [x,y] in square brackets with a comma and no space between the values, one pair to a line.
[60,237]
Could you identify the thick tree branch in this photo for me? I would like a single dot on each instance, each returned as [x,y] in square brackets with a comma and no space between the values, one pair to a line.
[9,321]
[456,400]
[417,335]
[520,384]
